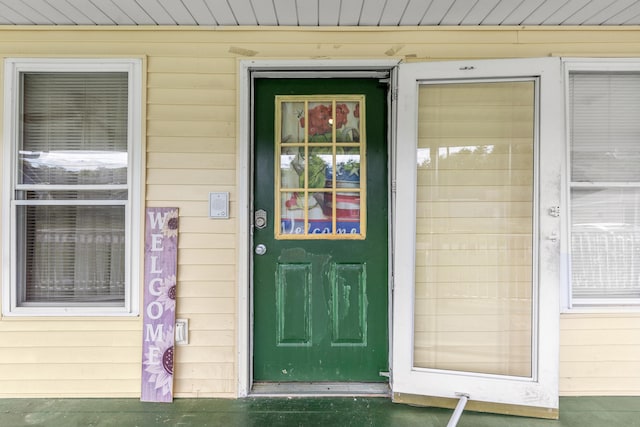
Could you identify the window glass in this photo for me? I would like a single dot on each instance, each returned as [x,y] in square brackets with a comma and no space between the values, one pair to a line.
[73,132]
[74,128]
[474,276]
[73,254]
[605,187]
[320,187]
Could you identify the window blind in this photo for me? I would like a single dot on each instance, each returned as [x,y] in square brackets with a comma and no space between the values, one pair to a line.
[605,127]
[74,128]
[72,239]
[605,186]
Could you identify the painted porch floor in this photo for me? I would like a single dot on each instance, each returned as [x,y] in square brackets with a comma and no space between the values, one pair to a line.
[271,412]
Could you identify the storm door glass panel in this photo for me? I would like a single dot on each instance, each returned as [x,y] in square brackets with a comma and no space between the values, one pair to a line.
[320,147]
[475,167]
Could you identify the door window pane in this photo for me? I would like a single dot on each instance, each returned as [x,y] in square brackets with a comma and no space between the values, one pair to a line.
[474,228]
[320,187]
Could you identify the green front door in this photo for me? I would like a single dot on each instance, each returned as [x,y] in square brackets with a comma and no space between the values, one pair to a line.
[320,269]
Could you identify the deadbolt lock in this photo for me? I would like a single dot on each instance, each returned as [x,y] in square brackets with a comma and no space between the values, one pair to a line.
[260,219]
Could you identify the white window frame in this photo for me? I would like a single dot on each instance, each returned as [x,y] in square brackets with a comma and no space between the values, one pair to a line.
[13,69]
[602,305]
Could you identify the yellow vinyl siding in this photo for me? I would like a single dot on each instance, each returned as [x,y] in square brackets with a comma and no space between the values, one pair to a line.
[600,354]
[191,149]
[69,358]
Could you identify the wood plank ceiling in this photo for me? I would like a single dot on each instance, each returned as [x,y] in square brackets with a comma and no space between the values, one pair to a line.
[320,12]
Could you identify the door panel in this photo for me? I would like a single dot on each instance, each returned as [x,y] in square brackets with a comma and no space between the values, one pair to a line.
[477,269]
[321,288]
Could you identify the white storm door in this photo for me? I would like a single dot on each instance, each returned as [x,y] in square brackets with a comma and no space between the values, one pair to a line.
[477,270]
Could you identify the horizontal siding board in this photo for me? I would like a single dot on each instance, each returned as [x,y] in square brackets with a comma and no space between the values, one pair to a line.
[210,322]
[191,177]
[363,51]
[301,50]
[207,256]
[601,386]
[221,37]
[198,64]
[601,337]
[170,96]
[212,338]
[191,160]
[73,325]
[204,354]
[585,37]
[241,36]
[218,273]
[204,387]
[191,81]
[62,387]
[206,240]
[187,209]
[195,208]
[603,369]
[163,36]
[193,224]
[180,144]
[206,305]
[206,112]
[598,321]
[55,354]
[206,289]
[70,371]
[597,352]
[38,339]
[213,371]
[193,193]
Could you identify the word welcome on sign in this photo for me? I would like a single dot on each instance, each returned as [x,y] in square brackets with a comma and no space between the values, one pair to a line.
[160,265]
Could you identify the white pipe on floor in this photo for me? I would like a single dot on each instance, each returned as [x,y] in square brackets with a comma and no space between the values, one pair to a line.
[457,413]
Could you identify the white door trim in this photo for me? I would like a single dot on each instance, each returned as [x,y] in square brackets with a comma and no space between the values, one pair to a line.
[246,68]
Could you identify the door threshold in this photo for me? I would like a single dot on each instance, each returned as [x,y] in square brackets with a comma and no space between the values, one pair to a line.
[320,389]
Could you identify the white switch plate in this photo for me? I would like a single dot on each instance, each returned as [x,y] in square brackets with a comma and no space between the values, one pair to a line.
[182,331]
[219,205]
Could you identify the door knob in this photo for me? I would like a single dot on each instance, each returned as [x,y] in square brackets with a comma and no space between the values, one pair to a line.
[261,249]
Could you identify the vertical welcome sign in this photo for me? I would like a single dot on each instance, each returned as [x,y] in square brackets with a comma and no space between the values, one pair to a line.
[160,265]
